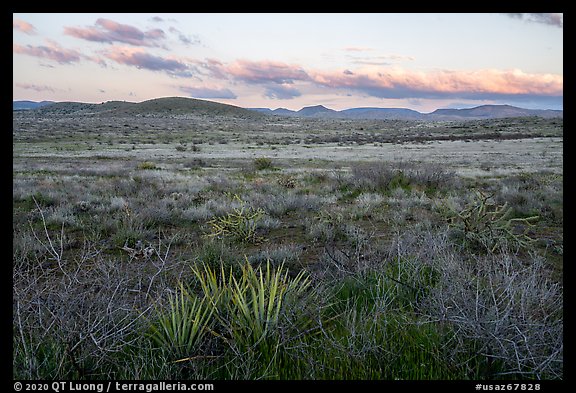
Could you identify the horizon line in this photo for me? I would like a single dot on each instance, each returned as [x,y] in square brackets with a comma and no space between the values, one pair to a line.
[292,110]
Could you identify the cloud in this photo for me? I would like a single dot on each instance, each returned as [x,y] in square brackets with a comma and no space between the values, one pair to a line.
[253,72]
[38,88]
[24,27]
[283,81]
[213,68]
[256,71]
[401,83]
[280,92]
[357,49]
[108,31]
[51,51]
[140,59]
[371,61]
[203,92]
[551,19]
[185,39]
[382,60]
[156,19]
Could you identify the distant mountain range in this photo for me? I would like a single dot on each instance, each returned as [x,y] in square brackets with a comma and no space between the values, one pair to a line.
[476,113]
[25,105]
[180,106]
[496,111]
[320,111]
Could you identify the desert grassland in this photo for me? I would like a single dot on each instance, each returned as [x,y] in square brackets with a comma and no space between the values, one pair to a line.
[203,247]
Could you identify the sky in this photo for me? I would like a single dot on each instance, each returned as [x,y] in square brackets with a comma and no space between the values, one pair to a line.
[345,60]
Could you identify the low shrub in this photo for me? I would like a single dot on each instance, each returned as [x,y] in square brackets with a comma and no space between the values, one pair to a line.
[383,177]
[147,165]
[262,163]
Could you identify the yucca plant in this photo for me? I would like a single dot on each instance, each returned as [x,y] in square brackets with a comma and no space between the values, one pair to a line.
[257,299]
[182,327]
[215,287]
[249,307]
[245,311]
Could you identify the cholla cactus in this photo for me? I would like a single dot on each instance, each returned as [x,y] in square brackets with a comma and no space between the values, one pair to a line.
[287,181]
[489,226]
[240,225]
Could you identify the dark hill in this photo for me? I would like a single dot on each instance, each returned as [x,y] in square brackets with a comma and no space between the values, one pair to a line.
[181,105]
[167,106]
[316,111]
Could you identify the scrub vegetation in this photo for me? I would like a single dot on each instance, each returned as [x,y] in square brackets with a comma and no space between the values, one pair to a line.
[219,247]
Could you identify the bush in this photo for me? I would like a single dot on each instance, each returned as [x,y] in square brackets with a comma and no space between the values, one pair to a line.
[381,176]
[195,163]
[217,253]
[147,165]
[262,163]
[503,309]
[284,254]
[373,176]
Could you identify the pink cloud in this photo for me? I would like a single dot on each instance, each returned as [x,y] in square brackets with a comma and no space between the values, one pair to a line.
[24,27]
[52,51]
[108,31]
[39,88]
[402,83]
[215,68]
[257,71]
[389,82]
[139,58]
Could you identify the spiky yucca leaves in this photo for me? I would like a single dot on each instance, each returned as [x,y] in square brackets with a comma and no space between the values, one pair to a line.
[215,287]
[181,328]
[249,307]
[257,300]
